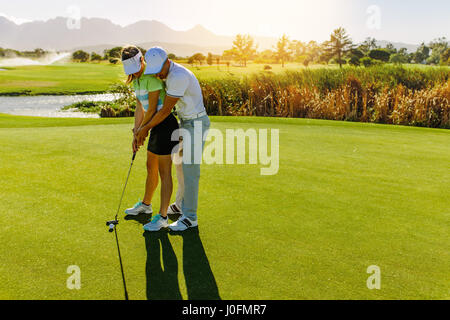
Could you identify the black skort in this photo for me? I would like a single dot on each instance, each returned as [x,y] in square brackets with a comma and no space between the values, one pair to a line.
[160,141]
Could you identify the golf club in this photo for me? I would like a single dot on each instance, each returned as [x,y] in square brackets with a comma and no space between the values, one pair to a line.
[113,227]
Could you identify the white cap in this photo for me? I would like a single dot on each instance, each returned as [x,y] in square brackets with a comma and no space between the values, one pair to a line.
[155,58]
[133,64]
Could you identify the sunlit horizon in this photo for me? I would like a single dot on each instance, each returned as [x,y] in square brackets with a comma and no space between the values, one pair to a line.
[299,19]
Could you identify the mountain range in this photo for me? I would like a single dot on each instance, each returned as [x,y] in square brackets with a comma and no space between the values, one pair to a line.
[97,34]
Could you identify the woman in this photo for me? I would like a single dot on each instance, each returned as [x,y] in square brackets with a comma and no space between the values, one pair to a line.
[150,96]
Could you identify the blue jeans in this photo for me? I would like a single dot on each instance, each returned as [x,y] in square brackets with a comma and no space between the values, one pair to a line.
[194,135]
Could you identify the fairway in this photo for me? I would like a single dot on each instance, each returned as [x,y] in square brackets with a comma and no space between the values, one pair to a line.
[60,79]
[79,78]
[347,196]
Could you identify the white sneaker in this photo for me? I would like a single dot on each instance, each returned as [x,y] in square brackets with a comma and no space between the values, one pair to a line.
[156,224]
[173,209]
[183,223]
[139,208]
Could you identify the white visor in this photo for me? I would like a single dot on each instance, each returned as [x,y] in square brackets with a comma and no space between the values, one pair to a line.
[133,64]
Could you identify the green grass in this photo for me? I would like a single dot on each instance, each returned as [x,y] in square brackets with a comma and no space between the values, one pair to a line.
[76,78]
[347,196]
[71,78]
[213,72]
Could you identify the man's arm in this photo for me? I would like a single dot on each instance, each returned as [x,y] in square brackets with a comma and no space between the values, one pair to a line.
[160,116]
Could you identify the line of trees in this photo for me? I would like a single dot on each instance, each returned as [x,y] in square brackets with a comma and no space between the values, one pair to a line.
[112,55]
[339,49]
[10,53]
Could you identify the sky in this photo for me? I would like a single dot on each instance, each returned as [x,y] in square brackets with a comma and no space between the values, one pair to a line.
[408,21]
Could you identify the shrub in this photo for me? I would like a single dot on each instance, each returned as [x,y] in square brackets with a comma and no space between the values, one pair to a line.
[80,56]
[367,61]
[354,61]
[113,60]
[380,55]
[398,58]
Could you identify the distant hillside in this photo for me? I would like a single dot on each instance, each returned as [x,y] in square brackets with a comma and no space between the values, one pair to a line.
[54,34]
[181,50]
[399,45]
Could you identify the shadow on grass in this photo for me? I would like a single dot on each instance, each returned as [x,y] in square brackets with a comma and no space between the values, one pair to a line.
[200,281]
[162,265]
[162,274]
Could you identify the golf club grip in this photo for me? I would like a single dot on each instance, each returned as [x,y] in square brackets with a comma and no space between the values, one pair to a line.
[134,156]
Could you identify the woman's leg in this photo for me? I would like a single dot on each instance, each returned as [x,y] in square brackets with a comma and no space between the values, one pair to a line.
[152,177]
[165,171]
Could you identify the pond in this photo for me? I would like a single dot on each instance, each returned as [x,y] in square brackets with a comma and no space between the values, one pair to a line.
[49,106]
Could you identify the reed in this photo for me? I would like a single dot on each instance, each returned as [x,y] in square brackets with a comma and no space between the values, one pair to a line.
[382,94]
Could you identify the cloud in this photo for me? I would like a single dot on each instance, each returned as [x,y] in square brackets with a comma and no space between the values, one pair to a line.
[14,19]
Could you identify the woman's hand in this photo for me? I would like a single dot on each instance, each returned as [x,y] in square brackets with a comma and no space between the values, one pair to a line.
[135,145]
[141,135]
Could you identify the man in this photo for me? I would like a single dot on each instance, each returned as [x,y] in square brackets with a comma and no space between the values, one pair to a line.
[183,91]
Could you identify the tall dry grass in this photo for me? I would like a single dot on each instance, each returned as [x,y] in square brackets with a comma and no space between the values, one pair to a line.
[386,94]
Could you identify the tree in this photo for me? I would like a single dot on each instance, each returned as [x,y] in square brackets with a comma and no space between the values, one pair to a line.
[398,58]
[367,62]
[307,61]
[172,56]
[228,54]
[354,61]
[266,56]
[39,52]
[338,46]
[218,62]
[209,59]
[368,45]
[437,46]
[95,57]
[422,54]
[283,53]
[445,57]
[313,52]
[380,54]
[199,57]
[80,56]
[113,53]
[298,50]
[390,48]
[357,53]
[243,48]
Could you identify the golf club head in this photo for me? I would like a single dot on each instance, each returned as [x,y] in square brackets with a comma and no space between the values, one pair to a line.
[112,224]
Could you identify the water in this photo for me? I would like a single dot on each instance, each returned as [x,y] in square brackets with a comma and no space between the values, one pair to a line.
[49,106]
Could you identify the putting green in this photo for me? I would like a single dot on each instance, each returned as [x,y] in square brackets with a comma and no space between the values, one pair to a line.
[347,196]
